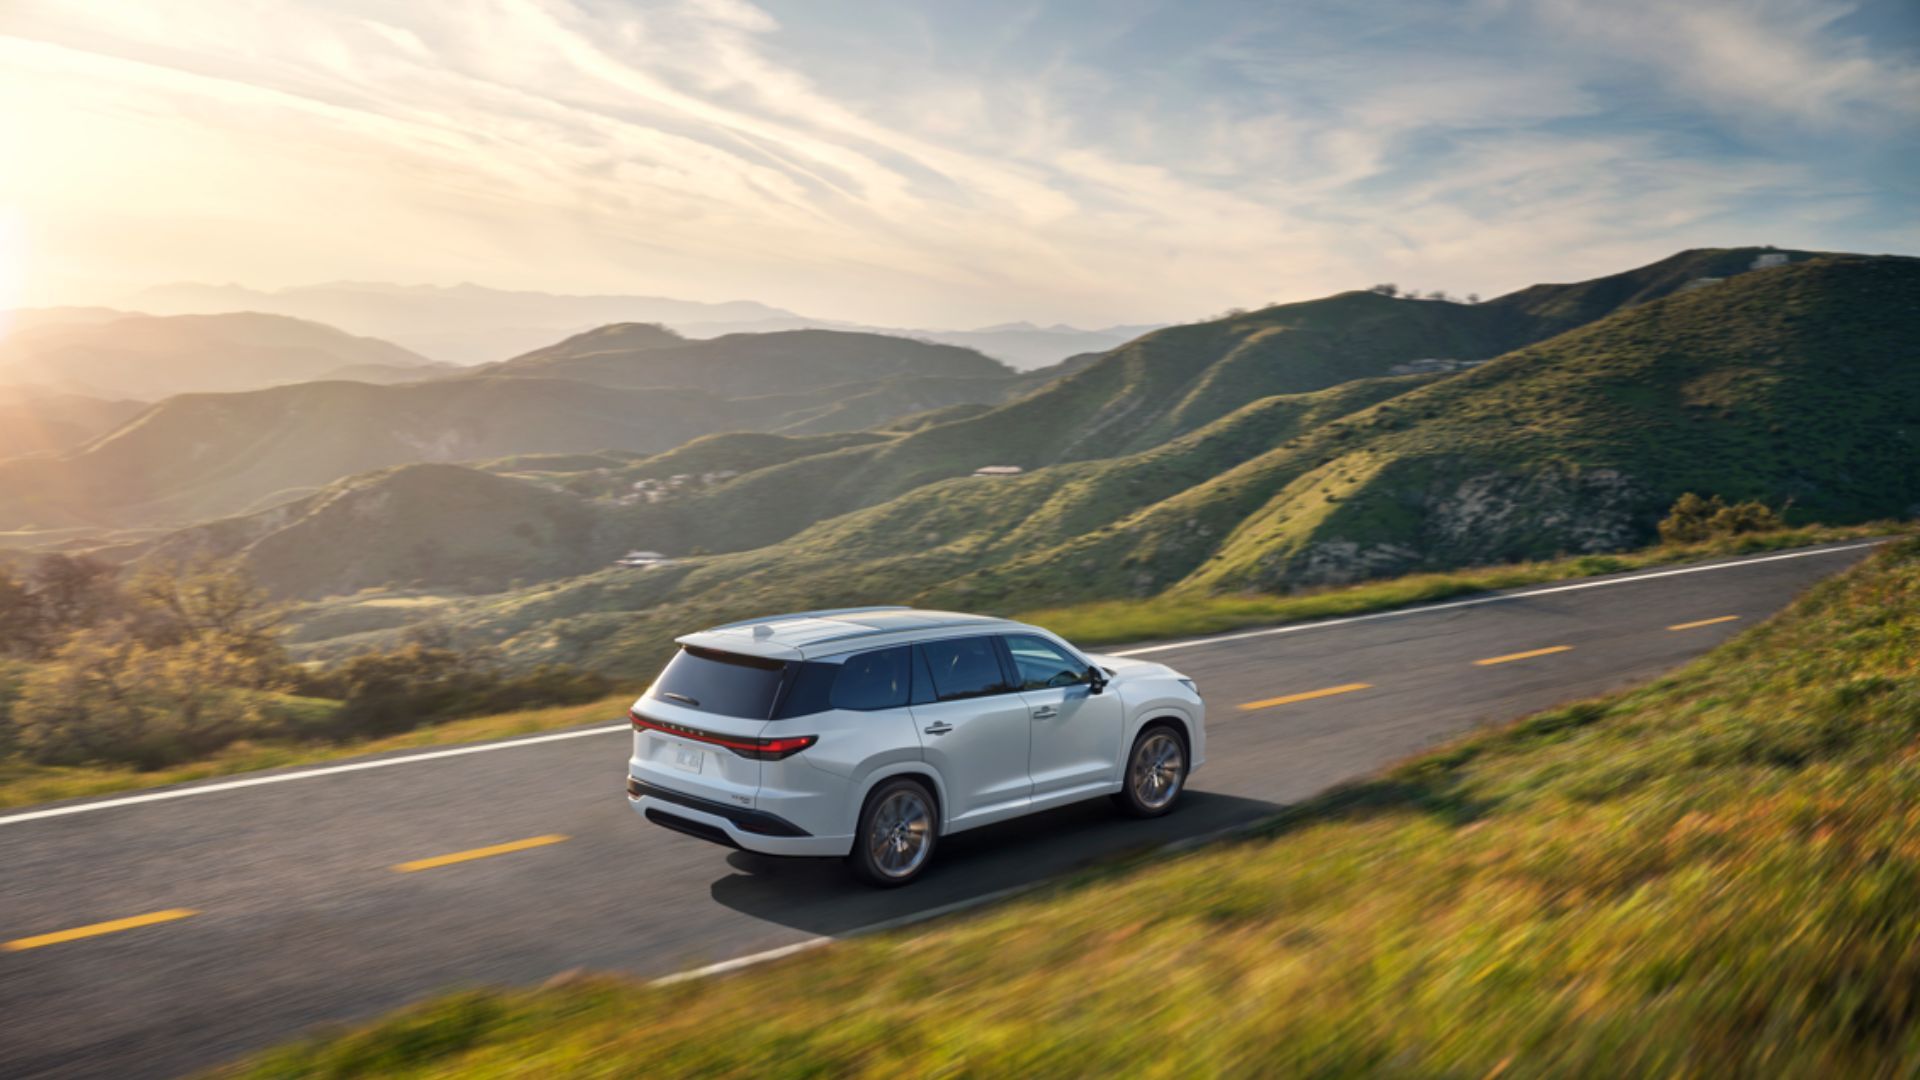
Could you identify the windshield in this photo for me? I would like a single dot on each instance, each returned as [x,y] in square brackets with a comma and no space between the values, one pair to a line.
[725,684]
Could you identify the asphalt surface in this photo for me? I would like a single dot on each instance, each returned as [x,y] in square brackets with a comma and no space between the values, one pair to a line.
[299,917]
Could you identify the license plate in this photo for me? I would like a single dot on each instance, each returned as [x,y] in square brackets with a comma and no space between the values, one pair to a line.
[686,758]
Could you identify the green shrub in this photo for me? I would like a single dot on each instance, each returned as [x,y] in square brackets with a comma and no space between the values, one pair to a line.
[1694,519]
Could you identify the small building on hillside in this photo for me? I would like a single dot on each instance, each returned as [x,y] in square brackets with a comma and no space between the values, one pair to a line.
[642,559]
[998,470]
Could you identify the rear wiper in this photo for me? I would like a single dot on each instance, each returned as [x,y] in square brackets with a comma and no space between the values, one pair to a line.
[684,699]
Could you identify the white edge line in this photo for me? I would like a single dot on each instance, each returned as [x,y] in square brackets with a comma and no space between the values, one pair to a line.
[1449,605]
[726,967]
[305,774]
[1192,643]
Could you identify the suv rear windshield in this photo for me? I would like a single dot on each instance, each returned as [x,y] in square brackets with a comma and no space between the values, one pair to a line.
[726,684]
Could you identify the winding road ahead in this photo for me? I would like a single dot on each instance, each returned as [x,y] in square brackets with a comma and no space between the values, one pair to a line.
[154,934]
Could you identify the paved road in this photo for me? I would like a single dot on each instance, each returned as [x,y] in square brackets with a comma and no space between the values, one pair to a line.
[299,917]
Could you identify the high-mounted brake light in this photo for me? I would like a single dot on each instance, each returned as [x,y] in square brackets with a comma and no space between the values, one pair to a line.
[773,749]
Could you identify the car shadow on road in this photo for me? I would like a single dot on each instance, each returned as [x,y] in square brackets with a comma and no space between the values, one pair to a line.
[819,896]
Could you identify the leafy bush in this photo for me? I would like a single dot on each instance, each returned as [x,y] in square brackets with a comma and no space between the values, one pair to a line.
[107,697]
[1694,519]
[174,661]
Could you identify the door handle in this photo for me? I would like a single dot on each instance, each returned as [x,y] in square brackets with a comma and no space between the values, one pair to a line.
[938,727]
[1045,712]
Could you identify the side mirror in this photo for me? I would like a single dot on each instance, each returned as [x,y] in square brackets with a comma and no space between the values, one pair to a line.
[1096,679]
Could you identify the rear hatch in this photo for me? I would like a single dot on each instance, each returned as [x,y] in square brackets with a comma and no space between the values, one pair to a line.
[693,724]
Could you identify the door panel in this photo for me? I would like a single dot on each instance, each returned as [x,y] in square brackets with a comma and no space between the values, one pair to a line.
[1075,739]
[981,755]
[1076,732]
[975,731]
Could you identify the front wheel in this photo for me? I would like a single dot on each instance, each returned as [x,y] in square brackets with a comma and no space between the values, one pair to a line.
[896,835]
[1156,773]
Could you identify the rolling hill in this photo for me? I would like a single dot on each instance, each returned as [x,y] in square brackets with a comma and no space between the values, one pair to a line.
[1176,381]
[33,422]
[793,361]
[196,456]
[150,357]
[1797,382]
[463,324]
[481,529]
[445,526]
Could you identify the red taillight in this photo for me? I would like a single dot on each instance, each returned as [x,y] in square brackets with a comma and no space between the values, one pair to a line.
[783,746]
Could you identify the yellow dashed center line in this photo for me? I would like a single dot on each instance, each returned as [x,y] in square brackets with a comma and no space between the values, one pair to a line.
[96,929]
[1703,622]
[1528,655]
[1309,695]
[478,853]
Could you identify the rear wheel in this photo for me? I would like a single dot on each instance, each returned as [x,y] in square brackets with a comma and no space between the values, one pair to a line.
[897,831]
[1156,773]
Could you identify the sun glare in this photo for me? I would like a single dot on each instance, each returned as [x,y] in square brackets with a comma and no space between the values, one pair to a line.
[13,266]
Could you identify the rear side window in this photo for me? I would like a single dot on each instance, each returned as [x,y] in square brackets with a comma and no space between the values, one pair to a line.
[725,684]
[874,680]
[965,668]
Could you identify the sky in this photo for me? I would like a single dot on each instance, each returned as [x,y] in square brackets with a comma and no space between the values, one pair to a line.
[942,163]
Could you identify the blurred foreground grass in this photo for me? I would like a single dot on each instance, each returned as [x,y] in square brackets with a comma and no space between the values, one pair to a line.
[1713,875]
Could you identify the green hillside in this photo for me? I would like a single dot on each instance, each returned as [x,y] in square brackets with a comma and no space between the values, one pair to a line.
[201,455]
[444,526]
[630,355]
[528,518]
[197,456]
[1793,383]
[1177,380]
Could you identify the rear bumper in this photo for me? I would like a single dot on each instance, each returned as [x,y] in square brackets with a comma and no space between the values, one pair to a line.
[733,826]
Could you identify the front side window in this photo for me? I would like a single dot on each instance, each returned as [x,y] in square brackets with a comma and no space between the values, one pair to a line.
[722,683]
[874,680]
[964,668]
[1042,664]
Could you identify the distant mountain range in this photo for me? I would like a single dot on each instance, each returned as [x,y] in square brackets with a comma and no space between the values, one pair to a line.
[472,324]
[115,355]
[196,456]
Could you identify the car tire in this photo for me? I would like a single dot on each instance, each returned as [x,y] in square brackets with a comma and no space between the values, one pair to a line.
[1156,772]
[899,825]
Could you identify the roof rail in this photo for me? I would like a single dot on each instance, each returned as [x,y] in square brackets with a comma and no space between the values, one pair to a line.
[962,620]
[821,614]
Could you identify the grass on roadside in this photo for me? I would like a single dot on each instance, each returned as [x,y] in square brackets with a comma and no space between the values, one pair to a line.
[24,783]
[1712,875]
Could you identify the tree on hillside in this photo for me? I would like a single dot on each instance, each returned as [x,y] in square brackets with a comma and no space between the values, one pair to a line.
[212,602]
[20,625]
[1386,288]
[72,591]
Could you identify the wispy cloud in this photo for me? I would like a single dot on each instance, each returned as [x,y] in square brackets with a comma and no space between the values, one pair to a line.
[924,163]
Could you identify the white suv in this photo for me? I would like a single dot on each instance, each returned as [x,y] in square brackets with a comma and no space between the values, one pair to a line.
[870,733]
